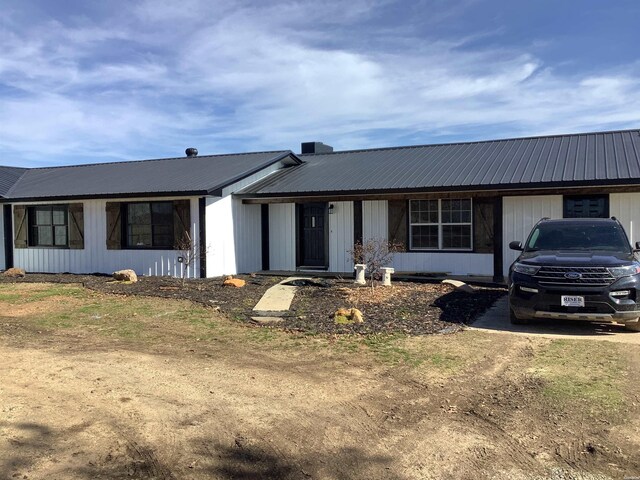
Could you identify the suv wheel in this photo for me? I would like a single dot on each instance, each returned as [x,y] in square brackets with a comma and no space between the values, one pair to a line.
[633,327]
[515,320]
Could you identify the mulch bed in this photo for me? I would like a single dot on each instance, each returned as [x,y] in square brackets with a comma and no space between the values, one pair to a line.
[232,301]
[406,307]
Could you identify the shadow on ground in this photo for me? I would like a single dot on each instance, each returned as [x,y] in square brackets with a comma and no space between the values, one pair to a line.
[497,319]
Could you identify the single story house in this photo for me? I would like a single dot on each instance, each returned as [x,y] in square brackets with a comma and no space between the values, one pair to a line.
[454,207]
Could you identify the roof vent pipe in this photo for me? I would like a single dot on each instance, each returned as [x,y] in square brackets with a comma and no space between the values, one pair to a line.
[191,152]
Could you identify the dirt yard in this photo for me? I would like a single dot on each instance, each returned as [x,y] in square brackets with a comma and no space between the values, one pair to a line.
[96,385]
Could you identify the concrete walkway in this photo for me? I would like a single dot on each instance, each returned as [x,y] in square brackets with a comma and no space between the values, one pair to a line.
[496,320]
[275,302]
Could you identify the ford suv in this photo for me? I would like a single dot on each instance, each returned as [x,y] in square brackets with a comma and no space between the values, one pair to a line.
[576,269]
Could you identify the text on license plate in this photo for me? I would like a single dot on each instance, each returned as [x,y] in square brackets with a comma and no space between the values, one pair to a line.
[572,301]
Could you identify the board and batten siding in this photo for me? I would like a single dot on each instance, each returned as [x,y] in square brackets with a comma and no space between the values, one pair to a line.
[375,226]
[282,236]
[341,237]
[519,215]
[95,258]
[626,208]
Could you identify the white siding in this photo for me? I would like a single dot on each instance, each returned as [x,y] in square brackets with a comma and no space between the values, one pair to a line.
[477,264]
[520,214]
[282,236]
[2,234]
[221,249]
[626,208]
[247,225]
[341,237]
[374,220]
[95,258]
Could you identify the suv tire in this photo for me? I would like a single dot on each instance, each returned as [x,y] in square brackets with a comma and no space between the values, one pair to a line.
[632,327]
[515,320]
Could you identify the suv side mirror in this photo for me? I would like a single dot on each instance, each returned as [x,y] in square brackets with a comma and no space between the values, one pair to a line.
[637,249]
[516,245]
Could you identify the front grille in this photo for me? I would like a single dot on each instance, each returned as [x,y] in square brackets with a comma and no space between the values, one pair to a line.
[593,308]
[589,276]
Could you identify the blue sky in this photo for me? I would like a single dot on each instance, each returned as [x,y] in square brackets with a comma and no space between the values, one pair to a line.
[88,82]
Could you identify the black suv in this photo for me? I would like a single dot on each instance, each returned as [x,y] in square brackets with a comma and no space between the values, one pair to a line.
[576,269]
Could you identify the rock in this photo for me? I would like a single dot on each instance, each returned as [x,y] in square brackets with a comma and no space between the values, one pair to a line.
[348,316]
[234,282]
[356,315]
[126,276]
[458,285]
[14,272]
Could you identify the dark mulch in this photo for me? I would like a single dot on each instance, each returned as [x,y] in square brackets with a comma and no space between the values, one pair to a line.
[406,307]
[207,291]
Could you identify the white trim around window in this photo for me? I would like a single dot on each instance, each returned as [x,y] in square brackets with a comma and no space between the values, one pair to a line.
[442,224]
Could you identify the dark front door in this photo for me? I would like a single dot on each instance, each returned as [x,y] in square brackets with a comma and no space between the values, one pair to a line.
[313,222]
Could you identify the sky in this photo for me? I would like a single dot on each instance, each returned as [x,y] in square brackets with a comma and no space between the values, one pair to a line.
[85,82]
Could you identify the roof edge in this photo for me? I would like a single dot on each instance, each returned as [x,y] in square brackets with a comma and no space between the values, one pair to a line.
[471,142]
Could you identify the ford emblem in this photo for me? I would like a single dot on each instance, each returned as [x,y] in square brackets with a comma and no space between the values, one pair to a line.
[573,275]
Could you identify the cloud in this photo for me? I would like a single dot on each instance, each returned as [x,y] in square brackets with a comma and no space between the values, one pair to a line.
[150,79]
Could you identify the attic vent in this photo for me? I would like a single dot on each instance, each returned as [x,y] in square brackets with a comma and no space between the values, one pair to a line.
[191,152]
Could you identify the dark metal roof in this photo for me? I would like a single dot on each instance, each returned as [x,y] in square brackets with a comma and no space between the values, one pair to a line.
[8,177]
[185,175]
[602,158]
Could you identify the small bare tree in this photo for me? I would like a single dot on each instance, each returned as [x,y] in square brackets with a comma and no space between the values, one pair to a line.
[190,251]
[375,253]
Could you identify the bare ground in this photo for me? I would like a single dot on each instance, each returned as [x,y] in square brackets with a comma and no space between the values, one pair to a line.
[84,398]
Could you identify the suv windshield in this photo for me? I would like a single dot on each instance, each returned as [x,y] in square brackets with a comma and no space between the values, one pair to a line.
[578,236]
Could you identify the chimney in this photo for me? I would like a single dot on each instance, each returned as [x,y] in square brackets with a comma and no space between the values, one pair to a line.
[315,147]
[191,152]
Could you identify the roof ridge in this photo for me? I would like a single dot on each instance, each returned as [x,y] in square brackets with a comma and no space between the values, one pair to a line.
[471,142]
[153,160]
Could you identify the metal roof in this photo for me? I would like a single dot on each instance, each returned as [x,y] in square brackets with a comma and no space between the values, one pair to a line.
[185,175]
[8,177]
[578,159]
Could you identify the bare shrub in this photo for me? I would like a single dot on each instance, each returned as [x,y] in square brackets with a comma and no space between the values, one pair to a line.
[190,251]
[375,253]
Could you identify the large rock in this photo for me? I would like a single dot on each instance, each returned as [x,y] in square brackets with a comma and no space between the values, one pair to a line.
[14,272]
[234,282]
[125,275]
[348,316]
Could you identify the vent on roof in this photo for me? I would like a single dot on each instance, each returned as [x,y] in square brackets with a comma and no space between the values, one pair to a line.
[315,147]
[191,152]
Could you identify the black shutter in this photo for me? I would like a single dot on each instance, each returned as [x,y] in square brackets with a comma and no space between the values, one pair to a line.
[114,226]
[76,226]
[181,221]
[398,222]
[20,221]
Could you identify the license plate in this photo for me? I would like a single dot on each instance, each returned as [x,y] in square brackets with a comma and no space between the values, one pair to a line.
[572,301]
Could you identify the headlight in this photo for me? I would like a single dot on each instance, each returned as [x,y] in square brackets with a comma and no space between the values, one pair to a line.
[624,271]
[526,269]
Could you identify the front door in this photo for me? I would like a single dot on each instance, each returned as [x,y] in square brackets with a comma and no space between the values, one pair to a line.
[313,222]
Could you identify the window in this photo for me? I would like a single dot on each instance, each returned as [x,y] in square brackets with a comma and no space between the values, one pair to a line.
[590,206]
[48,226]
[149,224]
[440,224]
